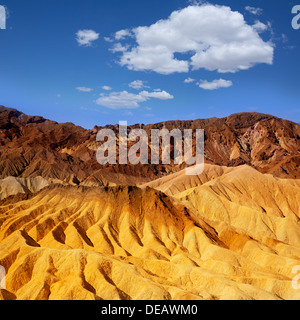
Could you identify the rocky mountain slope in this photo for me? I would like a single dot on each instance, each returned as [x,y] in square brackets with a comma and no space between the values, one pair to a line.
[33,146]
[219,240]
[72,229]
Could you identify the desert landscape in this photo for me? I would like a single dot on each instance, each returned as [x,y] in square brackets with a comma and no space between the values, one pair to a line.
[71,229]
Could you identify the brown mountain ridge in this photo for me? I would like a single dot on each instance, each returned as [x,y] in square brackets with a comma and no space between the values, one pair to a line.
[31,146]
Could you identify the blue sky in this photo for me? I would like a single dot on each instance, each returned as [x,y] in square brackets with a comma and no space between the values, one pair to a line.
[96,62]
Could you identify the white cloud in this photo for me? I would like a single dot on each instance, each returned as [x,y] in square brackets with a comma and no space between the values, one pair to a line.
[197,2]
[120,100]
[260,27]
[86,37]
[128,113]
[284,38]
[120,35]
[138,84]
[118,47]
[156,58]
[255,11]
[84,89]
[222,42]
[108,39]
[126,100]
[106,88]
[215,84]
[162,95]
[189,80]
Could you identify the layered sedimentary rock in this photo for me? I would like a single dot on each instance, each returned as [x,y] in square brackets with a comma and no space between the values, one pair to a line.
[65,153]
[220,238]
[72,229]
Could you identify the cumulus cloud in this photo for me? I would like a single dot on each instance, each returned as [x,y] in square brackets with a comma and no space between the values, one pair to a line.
[126,100]
[162,95]
[223,42]
[86,37]
[255,11]
[119,35]
[215,84]
[261,27]
[120,100]
[83,89]
[138,84]
[189,80]
[106,88]
[108,39]
[118,47]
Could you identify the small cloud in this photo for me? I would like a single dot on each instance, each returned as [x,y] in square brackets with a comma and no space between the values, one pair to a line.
[128,113]
[289,47]
[126,100]
[255,11]
[189,80]
[197,2]
[162,95]
[120,100]
[108,39]
[106,88]
[138,84]
[120,35]
[86,37]
[58,95]
[118,47]
[83,89]
[148,108]
[215,84]
[284,38]
[260,27]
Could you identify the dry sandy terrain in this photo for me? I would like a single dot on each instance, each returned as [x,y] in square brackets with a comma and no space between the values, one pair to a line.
[72,229]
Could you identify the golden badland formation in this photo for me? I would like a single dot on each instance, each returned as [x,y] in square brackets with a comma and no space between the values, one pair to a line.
[72,229]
